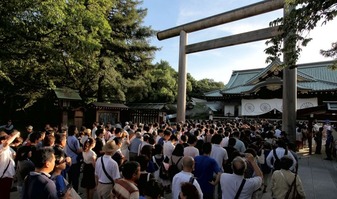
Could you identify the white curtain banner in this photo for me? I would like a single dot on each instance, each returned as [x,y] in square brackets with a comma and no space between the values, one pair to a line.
[250,107]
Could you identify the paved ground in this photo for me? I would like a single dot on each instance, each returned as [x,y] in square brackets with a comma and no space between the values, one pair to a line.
[319,178]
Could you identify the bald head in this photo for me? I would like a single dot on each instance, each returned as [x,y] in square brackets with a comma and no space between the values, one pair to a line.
[188,163]
[239,165]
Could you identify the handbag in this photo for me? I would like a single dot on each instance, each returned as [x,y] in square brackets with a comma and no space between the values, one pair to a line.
[292,192]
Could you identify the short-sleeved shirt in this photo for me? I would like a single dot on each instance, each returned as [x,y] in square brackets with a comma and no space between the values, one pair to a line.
[6,159]
[191,151]
[71,148]
[88,157]
[205,168]
[180,178]
[219,154]
[111,168]
[230,184]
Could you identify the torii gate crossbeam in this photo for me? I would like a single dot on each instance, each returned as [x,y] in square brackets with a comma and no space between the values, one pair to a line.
[290,100]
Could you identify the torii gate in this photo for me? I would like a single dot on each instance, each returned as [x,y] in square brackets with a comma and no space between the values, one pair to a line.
[289,74]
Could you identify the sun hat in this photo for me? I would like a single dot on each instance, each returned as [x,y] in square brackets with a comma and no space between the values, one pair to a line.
[110,146]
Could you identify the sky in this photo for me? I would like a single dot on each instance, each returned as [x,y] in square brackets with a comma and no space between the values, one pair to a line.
[218,64]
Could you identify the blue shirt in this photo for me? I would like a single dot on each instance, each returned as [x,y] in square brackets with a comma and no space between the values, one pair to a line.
[74,145]
[205,168]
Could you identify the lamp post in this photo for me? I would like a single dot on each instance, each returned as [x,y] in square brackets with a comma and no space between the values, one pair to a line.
[65,104]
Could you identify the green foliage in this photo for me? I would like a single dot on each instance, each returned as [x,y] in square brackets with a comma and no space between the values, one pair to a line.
[97,47]
[202,86]
[303,17]
[100,48]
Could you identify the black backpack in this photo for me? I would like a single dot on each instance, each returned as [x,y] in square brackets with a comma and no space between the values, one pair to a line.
[277,162]
[173,169]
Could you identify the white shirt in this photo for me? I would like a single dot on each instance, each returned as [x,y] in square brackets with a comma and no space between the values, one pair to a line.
[93,132]
[230,184]
[219,154]
[111,168]
[277,133]
[224,142]
[168,148]
[178,179]
[280,153]
[191,151]
[89,157]
[5,158]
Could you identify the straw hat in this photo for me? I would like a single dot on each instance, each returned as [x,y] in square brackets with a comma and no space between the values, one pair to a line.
[110,147]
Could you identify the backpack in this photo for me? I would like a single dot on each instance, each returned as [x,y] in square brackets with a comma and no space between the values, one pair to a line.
[161,168]
[163,171]
[277,162]
[173,169]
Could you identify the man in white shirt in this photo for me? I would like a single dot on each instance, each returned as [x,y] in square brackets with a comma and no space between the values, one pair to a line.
[191,150]
[185,176]
[169,146]
[280,151]
[105,180]
[230,183]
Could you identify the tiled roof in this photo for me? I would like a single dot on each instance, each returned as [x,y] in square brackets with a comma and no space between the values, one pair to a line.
[312,76]
[105,105]
[67,93]
[215,93]
[155,106]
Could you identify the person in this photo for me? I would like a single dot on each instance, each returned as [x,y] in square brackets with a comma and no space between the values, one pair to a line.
[318,139]
[24,166]
[26,135]
[153,189]
[188,191]
[7,164]
[329,145]
[205,168]
[74,151]
[144,177]
[239,145]
[38,184]
[185,176]
[9,127]
[125,145]
[266,170]
[106,170]
[62,186]
[232,153]
[118,156]
[281,180]
[191,150]
[126,187]
[134,145]
[230,183]
[280,151]
[169,146]
[177,155]
[89,160]
[99,142]
[60,143]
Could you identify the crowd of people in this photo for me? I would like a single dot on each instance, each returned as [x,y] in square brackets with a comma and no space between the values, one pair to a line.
[197,159]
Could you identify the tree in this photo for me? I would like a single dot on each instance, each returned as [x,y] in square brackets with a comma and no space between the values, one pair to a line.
[305,16]
[97,47]
[202,86]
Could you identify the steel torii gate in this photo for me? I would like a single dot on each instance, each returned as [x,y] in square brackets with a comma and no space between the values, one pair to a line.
[289,74]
